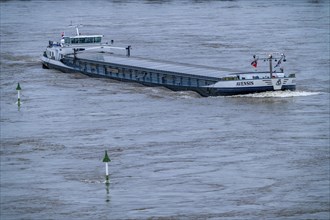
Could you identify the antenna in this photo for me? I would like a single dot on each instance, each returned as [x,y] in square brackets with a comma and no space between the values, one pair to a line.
[76,26]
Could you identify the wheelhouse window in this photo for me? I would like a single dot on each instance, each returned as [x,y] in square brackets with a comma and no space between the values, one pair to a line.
[97,39]
[67,40]
[82,40]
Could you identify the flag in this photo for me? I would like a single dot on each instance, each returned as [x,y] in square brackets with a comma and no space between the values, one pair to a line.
[254,63]
[278,63]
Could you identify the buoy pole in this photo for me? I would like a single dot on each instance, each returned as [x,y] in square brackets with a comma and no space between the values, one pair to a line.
[106,173]
[18,89]
[106,159]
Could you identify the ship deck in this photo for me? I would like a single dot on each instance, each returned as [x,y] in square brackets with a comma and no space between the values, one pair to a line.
[157,65]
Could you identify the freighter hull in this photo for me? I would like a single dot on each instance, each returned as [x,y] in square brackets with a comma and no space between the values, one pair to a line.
[176,81]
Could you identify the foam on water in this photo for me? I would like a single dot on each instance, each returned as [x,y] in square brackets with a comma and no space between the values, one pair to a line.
[280,94]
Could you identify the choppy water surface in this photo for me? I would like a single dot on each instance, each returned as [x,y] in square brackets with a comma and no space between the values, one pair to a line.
[175,155]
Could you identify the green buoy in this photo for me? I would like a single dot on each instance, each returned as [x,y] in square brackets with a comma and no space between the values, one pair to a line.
[18,89]
[106,159]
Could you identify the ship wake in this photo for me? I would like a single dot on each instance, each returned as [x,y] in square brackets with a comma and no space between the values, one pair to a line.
[280,94]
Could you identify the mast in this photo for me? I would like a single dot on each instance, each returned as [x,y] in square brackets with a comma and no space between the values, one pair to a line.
[272,56]
[77,30]
[128,50]
[270,65]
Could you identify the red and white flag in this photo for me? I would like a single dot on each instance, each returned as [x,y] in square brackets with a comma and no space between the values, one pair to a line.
[254,63]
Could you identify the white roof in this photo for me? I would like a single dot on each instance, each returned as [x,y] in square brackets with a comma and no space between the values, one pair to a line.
[84,36]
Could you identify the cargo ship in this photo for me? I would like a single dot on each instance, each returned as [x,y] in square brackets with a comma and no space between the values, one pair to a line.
[87,54]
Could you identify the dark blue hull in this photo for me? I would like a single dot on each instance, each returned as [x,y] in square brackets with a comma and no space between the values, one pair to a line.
[173,81]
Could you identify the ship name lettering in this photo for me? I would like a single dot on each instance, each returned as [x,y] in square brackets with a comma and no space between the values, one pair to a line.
[248,83]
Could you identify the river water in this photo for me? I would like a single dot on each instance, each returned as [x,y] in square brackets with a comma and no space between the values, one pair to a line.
[174,155]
